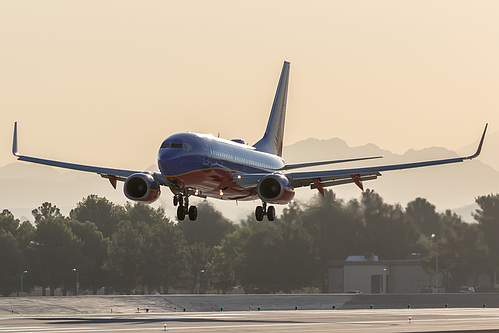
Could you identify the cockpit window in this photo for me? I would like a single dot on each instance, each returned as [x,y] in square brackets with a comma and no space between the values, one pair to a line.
[184,146]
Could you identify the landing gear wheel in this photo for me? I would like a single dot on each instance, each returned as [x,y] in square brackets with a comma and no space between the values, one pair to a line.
[193,213]
[271,213]
[175,201]
[259,213]
[180,213]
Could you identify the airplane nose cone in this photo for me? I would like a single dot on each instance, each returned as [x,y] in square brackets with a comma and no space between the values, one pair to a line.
[165,158]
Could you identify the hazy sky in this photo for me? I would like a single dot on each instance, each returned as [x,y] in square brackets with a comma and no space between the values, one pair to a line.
[104,82]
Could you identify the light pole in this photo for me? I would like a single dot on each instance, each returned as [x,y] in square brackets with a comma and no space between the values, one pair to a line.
[77,282]
[22,274]
[197,282]
[436,259]
[381,280]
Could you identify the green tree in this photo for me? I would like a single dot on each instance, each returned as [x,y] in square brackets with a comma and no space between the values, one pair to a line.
[221,269]
[210,227]
[46,210]
[100,211]
[140,212]
[8,223]
[124,257]
[487,216]
[14,239]
[423,216]
[94,254]
[276,256]
[387,232]
[334,226]
[147,251]
[58,251]
[10,263]
[164,255]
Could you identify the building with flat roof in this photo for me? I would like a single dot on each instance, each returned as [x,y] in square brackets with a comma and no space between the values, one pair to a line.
[368,274]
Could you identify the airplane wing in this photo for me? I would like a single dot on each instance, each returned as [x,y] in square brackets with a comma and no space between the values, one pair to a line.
[321,179]
[112,174]
[310,164]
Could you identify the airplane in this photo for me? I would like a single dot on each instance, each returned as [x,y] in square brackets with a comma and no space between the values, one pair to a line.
[202,165]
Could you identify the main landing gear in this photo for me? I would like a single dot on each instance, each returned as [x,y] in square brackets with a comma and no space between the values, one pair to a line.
[184,209]
[261,211]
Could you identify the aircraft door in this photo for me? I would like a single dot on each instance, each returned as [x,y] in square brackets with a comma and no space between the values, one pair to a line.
[206,154]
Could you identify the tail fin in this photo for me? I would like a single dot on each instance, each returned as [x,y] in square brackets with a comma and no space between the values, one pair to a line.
[273,138]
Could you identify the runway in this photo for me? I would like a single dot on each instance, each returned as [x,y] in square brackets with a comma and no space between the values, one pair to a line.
[375,320]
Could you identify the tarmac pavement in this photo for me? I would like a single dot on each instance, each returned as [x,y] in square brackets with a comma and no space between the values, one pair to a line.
[375,320]
[268,313]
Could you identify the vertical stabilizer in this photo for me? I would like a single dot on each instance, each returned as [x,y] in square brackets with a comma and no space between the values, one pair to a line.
[273,138]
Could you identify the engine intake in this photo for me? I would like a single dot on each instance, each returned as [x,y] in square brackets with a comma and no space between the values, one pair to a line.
[276,189]
[142,187]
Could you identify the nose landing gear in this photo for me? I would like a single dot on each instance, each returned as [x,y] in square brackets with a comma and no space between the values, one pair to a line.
[262,211]
[183,208]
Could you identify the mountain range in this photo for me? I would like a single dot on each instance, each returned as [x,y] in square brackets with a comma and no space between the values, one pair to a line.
[26,186]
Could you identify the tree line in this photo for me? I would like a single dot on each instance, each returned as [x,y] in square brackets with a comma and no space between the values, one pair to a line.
[136,249]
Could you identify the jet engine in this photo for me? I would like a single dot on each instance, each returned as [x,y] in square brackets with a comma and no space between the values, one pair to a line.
[142,187]
[276,189]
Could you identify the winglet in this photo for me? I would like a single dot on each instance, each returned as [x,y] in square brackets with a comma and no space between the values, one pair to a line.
[14,142]
[479,149]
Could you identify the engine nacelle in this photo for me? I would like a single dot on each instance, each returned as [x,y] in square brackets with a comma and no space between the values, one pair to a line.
[276,189]
[142,187]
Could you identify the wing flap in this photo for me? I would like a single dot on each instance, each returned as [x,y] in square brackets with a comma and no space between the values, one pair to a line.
[349,180]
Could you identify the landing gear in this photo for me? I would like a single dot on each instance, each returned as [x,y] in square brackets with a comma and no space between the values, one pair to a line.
[261,211]
[271,213]
[183,208]
[193,213]
[181,213]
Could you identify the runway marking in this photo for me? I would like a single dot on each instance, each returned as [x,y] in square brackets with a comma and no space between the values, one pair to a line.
[141,329]
[216,327]
[41,329]
[414,320]
[289,320]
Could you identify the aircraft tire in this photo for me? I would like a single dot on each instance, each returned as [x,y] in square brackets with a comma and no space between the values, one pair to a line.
[193,213]
[271,213]
[259,213]
[180,213]
[175,200]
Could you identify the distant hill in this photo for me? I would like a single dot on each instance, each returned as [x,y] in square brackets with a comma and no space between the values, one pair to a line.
[26,186]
